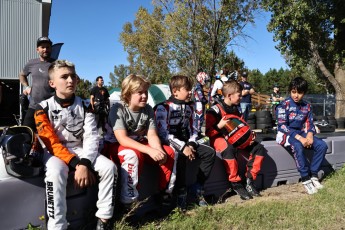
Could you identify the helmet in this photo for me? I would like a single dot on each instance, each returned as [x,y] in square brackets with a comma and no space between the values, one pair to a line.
[244,74]
[202,77]
[238,132]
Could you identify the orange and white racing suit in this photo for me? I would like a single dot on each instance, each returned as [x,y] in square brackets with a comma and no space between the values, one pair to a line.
[70,135]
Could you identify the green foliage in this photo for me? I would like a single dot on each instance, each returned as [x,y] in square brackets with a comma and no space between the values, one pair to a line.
[184,36]
[120,72]
[84,88]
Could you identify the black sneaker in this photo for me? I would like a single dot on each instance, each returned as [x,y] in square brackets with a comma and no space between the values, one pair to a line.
[182,201]
[105,225]
[251,188]
[239,189]
[164,198]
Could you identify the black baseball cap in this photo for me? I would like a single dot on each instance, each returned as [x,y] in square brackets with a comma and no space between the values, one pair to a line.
[42,40]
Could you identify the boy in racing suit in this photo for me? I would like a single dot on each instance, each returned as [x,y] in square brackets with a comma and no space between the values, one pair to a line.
[176,126]
[70,134]
[296,128]
[200,99]
[136,141]
[215,122]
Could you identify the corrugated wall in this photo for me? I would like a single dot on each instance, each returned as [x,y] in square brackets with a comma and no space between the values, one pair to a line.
[20,26]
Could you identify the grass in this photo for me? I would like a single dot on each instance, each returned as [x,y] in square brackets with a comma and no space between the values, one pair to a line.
[324,210]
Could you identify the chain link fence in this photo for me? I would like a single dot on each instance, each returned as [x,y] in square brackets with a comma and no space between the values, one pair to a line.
[323,104]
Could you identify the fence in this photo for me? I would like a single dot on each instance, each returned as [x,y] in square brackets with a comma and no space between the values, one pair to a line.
[323,104]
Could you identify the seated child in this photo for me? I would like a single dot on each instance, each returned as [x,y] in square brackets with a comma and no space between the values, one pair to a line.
[216,120]
[70,134]
[177,126]
[296,128]
[136,141]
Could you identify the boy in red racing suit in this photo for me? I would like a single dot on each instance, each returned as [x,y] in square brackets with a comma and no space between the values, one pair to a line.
[216,120]
[70,134]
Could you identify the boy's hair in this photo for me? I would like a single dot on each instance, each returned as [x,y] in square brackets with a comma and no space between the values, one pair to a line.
[60,64]
[179,81]
[299,84]
[131,84]
[231,87]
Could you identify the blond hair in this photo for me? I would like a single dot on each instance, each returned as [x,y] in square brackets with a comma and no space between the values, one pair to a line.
[231,87]
[179,81]
[131,84]
[60,64]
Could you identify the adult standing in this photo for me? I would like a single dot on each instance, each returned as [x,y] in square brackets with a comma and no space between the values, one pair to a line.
[99,100]
[38,69]
[248,90]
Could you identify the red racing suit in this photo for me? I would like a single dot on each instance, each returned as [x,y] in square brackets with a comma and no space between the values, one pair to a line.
[227,152]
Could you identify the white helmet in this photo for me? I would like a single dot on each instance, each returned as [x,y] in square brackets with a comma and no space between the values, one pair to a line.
[202,77]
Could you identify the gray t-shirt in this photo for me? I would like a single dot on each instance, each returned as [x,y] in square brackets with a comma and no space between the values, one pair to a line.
[40,89]
[136,123]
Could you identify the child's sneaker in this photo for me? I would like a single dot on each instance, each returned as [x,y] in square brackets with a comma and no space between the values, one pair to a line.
[200,198]
[239,189]
[182,200]
[316,183]
[251,188]
[309,186]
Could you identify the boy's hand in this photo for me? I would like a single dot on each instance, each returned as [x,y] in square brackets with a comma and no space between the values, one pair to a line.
[304,142]
[253,139]
[222,122]
[189,153]
[310,138]
[157,155]
[83,177]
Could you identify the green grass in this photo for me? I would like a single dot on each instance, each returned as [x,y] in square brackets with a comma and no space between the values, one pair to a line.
[324,210]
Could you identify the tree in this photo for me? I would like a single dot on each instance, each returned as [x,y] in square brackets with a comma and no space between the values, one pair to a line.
[144,42]
[185,35]
[84,88]
[120,72]
[312,32]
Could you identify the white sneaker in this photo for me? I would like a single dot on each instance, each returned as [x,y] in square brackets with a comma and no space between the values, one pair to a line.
[316,183]
[309,186]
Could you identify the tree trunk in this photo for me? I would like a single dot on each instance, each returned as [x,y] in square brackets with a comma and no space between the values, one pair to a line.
[340,93]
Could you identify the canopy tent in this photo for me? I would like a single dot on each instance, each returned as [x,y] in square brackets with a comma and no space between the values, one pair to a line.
[157,93]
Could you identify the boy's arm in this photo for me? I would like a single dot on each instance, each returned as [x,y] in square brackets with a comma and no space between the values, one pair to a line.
[211,124]
[283,119]
[90,138]
[51,140]
[154,140]
[310,127]
[161,119]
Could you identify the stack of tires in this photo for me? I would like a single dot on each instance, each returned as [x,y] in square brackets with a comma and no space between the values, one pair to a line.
[263,119]
[251,120]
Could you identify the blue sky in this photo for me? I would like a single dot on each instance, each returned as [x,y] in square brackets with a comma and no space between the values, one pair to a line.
[90,32]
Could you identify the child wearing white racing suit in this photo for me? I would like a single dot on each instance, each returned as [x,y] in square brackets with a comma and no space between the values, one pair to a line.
[296,128]
[70,134]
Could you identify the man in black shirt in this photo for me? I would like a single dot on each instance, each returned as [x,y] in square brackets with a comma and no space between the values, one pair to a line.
[100,103]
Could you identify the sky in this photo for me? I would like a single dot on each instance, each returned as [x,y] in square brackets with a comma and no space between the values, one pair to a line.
[90,32]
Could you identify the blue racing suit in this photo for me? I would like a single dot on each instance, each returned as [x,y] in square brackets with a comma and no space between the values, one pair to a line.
[297,119]
[200,102]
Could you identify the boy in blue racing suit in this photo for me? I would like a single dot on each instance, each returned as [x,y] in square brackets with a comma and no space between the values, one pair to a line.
[296,128]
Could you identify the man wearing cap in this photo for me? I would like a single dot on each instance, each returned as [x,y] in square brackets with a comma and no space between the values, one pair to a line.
[39,89]
[248,90]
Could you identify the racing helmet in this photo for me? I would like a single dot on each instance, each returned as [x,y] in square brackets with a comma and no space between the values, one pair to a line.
[202,77]
[237,132]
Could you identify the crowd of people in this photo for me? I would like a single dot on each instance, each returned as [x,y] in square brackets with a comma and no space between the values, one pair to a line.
[168,135]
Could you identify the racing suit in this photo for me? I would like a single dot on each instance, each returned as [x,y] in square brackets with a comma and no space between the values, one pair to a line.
[176,124]
[131,160]
[228,152]
[297,119]
[200,102]
[69,132]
